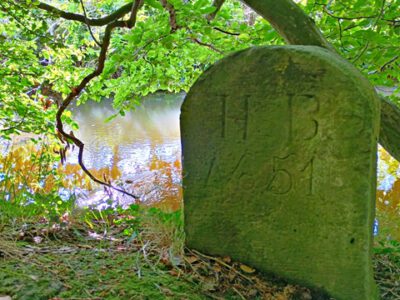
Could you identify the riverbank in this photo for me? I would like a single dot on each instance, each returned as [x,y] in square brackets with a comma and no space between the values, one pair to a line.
[138,254]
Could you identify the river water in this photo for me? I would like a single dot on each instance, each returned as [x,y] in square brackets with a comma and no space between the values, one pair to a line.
[140,151]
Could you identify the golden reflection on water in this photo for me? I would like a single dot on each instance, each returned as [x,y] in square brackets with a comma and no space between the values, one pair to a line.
[388,195]
[19,173]
[140,151]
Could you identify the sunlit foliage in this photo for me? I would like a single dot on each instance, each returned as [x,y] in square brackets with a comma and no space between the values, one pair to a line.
[364,32]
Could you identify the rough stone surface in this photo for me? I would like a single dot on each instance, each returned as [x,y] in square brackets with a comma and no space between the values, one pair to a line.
[279,163]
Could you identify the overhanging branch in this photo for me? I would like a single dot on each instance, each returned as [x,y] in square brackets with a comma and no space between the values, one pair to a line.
[68,138]
[290,22]
[86,21]
[119,13]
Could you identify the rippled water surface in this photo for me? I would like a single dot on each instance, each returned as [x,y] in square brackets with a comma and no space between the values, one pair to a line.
[140,151]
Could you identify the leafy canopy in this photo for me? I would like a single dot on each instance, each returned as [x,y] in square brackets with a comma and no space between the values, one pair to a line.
[43,55]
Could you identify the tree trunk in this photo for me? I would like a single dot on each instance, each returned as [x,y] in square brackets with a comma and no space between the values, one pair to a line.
[290,22]
[297,28]
[389,135]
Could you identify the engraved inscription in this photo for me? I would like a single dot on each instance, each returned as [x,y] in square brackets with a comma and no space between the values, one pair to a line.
[281,182]
[235,124]
[308,171]
[300,106]
[283,178]
[210,170]
[234,120]
[309,106]
[238,165]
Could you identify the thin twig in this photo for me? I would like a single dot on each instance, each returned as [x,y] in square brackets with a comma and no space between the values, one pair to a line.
[70,137]
[239,293]
[384,66]
[119,13]
[329,13]
[378,17]
[88,25]
[15,126]
[361,53]
[347,18]
[225,31]
[222,263]
[212,47]
[23,24]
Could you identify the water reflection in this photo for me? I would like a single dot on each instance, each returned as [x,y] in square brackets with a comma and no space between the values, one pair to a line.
[140,151]
[388,195]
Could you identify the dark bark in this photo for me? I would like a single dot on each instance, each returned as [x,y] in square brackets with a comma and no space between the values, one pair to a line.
[290,22]
[119,13]
[172,15]
[297,28]
[389,136]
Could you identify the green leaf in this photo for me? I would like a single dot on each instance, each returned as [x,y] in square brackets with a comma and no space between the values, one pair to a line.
[208,10]
[155,4]
[110,118]
[200,3]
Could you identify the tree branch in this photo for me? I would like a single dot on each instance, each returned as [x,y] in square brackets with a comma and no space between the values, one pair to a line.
[212,47]
[16,125]
[329,13]
[389,135]
[172,15]
[225,31]
[87,24]
[135,6]
[119,13]
[70,137]
[290,22]
[385,65]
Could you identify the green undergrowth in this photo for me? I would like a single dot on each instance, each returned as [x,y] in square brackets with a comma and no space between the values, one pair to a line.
[91,274]
[137,253]
[387,268]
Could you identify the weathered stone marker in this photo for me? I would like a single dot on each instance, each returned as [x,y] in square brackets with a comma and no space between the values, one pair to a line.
[279,162]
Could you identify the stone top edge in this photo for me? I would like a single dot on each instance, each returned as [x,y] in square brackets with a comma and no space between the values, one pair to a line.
[330,58]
